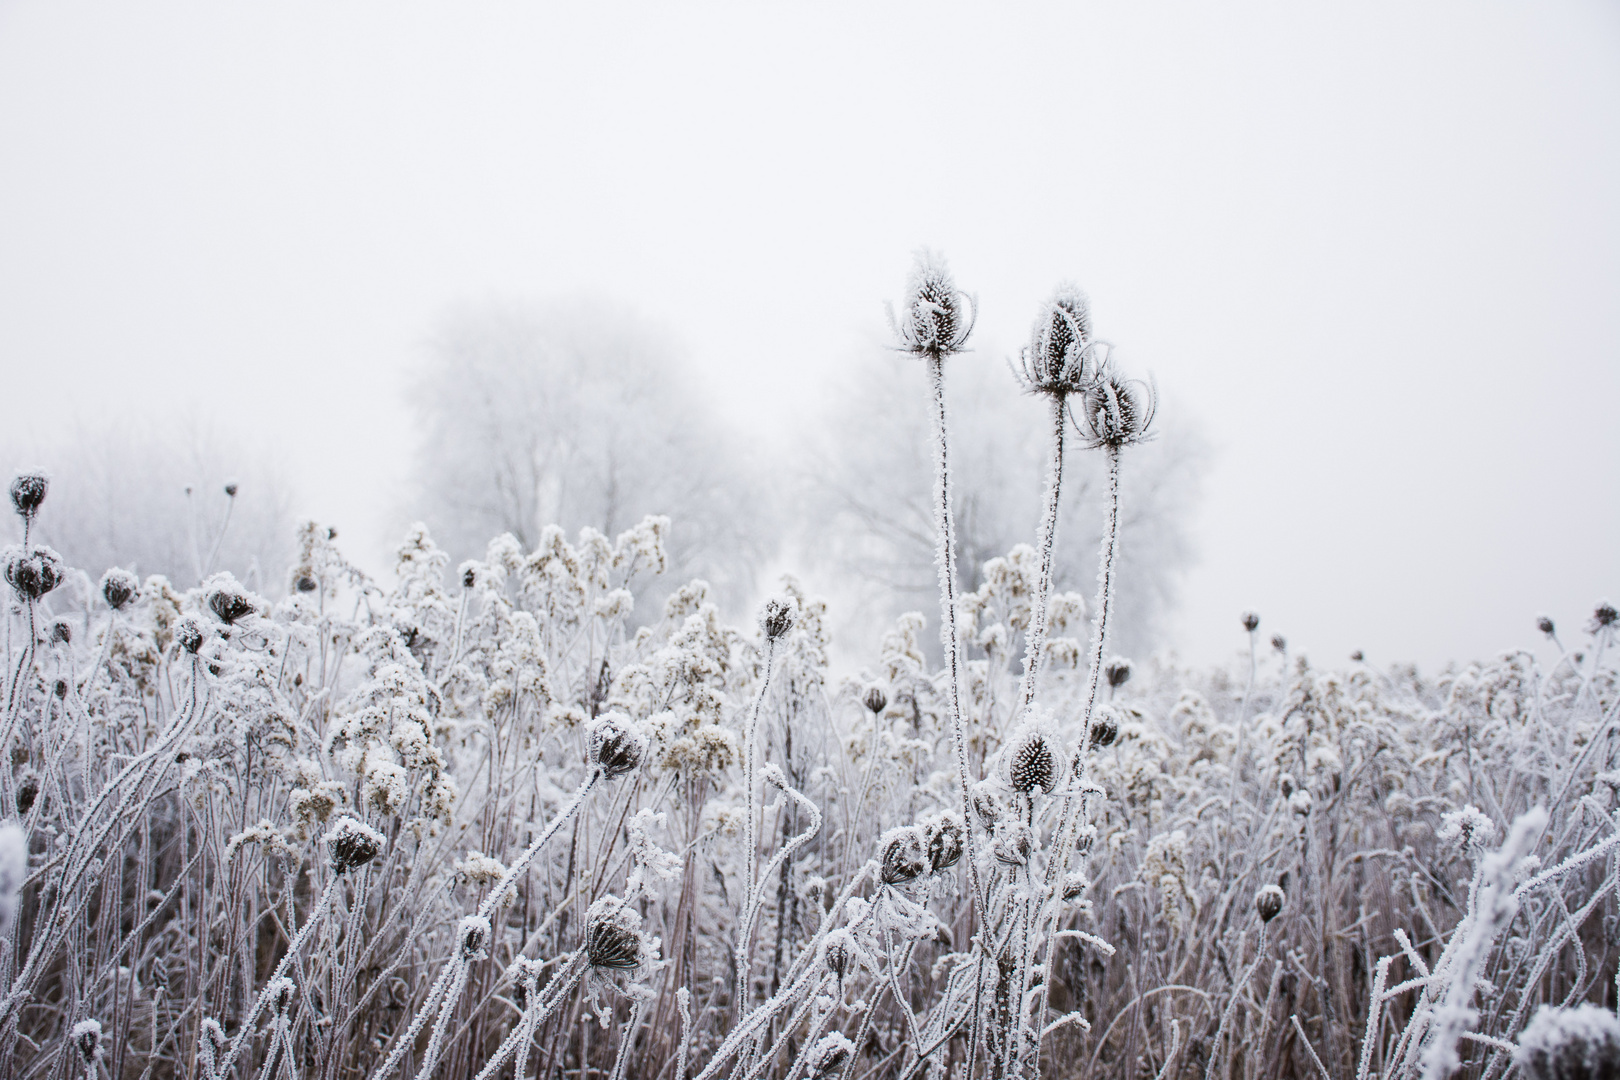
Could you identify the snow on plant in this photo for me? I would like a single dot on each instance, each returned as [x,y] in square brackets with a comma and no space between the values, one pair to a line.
[428,826]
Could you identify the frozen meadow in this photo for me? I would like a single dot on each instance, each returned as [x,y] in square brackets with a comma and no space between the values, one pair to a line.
[499,819]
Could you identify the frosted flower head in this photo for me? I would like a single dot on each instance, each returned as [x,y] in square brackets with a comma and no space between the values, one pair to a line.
[1116,411]
[1268,902]
[613,938]
[472,937]
[282,993]
[1251,621]
[27,791]
[27,492]
[905,854]
[1104,728]
[61,633]
[1582,1043]
[86,1034]
[352,843]
[1033,760]
[1468,828]
[1118,672]
[1544,623]
[1015,845]
[828,1056]
[840,953]
[228,600]
[875,700]
[945,838]
[1603,617]
[34,573]
[1059,358]
[937,317]
[1279,643]
[616,747]
[1075,886]
[987,805]
[778,617]
[188,634]
[119,587]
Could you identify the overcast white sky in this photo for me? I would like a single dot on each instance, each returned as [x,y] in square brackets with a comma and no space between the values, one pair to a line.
[1372,249]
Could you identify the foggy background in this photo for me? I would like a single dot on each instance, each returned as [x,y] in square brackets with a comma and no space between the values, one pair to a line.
[1371,255]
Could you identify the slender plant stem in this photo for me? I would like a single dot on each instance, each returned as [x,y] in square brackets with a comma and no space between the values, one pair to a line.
[1035,636]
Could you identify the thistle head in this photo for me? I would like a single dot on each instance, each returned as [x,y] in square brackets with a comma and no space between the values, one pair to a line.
[1116,411]
[613,938]
[34,573]
[27,492]
[1060,358]
[778,617]
[1268,902]
[937,316]
[905,854]
[351,844]
[616,747]
[119,587]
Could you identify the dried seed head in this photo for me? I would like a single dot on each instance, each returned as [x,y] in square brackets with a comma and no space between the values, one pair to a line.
[160,973]
[945,841]
[189,634]
[1603,617]
[472,935]
[937,317]
[905,856]
[1268,902]
[86,1036]
[61,688]
[1075,886]
[282,992]
[1031,763]
[62,632]
[613,938]
[351,843]
[1015,845]
[1117,411]
[34,573]
[304,580]
[469,574]
[228,600]
[119,587]
[1580,1043]
[1545,625]
[1279,643]
[27,791]
[27,492]
[1104,729]
[838,953]
[778,617]
[829,1055]
[615,746]
[1358,656]
[875,700]
[987,806]
[230,489]
[1118,672]
[211,1043]
[1058,358]
[1251,621]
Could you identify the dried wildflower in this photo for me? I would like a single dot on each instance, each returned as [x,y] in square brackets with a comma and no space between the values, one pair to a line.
[1469,828]
[119,587]
[938,317]
[188,633]
[33,574]
[839,953]
[282,992]
[946,838]
[778,617]
[987,805]
[1015,845]
[1279,643]
[1603,617]
[1545,625]
[27,791]
[1075,886]
[1358,656]
[61,688]
[828,1056]
[231,489]
[1118,672]
[1580,1043]
[472,936]
[62,632]
[304,580]
[86,1034]
[615,746]
[613,939]
[228,600]
[875,700]
[1251,621]
[1104,729]
[211,1044]
[28,491]
[1268,902]
[905,855]
[352,843]
[1032,763]
[1059,358]
[1116,411]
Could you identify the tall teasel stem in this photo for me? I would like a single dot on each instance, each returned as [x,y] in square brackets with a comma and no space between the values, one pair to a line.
[745,925]
[1035,637]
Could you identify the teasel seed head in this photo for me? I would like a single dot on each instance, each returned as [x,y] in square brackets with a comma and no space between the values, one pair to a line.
[905,856]
[1058,359]
[27,791]
[778,617]
[119,587]
[351,844]
[1268,902]
[228,600]
[1251,621]
[472,937]
[34,573]
[1545,625]
[937,317]
[875,700]
[946,838]
[1033,762]
[1118,672]
[1116,411]
[616,747]
[613,938]
[28,491]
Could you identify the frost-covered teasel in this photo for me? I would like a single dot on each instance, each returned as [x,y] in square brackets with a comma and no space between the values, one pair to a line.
[936,317]
[1033,761]
[1059,358]
[119,587]
[352,844]
[1116,411]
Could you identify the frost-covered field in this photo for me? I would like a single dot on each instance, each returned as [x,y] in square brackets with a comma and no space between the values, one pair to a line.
[489,820]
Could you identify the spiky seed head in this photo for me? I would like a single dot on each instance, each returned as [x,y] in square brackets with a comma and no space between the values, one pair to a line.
[86,1036]
[905,856]
[28,491]
[34,573]
[946,838]
[1545,625]
[472,936]
[119,587]
[1118,672]
[615,746]
[613,938]
[352,844]
[1057,359]
[1279,643]
[228,600]
[27,792]
[188,634]
[875,700]
[1032,763]
[1603,617]
[1116,411]
[778,617]
[1268,902]
[1580,1043]
[829,1055]
[937,316]
[1251,621]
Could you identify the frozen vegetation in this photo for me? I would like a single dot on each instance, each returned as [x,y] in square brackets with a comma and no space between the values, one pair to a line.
[495,820]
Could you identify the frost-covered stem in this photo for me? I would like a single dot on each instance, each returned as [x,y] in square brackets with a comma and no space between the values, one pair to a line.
[1105,589]
[945,560]
[272,987]
[1035,638]
[516,870]
[629,1037]
[1375,1009]
[1231,1005]
[683,1001]
[220,539]
[749,840]
[452,998]
[406,1041]
[861,1032]
[757,898]
[544,1005]
[1237,759]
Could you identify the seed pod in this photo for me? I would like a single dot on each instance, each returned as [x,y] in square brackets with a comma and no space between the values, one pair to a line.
[62,632]
[875,700]
[304,580]
[33,574]
[1118,672]
[27,792]
[1251,621]
[230,489]
[1032,763]
[1268,902]
[473,935]
[228,601]
[1015,845]
[1279,643]
[1075,886]
[119,587]
[1104,729]
[1117,411]
[1057,359]
[1603,617]
[615,747]
[351,844]
[87,1037]
[829,1055]
[945,841]
[189,634]
[1545,625]
[1579,1043]
[613,936]
[838,953]
[778,617]
[938,316]
[61,688]
[27,492]
[904,855]
[1358,656]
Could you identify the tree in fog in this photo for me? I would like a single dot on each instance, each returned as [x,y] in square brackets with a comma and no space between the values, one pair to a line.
[867,475]
[581,414]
